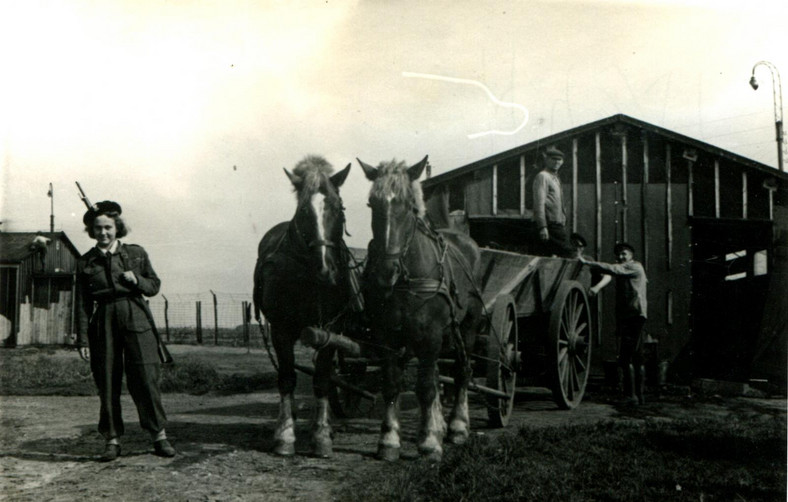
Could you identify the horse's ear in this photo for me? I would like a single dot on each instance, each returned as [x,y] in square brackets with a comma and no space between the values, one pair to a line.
[339,178]
[370,172]
[414,172]
[295,180]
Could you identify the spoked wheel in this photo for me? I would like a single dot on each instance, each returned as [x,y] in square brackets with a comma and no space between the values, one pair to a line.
[502,360]
[346,403]
[569,345]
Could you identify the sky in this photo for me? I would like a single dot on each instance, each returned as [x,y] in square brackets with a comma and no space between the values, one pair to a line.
[186,112]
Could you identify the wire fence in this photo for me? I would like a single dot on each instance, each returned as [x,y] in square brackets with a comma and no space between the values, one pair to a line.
[208,318]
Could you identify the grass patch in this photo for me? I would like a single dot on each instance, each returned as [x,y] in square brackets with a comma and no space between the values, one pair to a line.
[653,460]
[36,372]
[52,371]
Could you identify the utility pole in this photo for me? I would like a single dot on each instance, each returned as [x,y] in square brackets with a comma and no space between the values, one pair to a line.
[51,195]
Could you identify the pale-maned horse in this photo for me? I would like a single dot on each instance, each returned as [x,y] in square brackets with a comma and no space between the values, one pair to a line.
[420,298]
[300,280]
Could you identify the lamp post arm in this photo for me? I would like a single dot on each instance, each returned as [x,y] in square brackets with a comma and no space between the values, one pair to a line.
[777,95]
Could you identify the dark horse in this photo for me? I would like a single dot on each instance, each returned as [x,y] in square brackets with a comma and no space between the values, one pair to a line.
[420,297]
[300,280]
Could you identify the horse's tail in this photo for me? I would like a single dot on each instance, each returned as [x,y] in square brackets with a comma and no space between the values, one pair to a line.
[257,291]
[257,300]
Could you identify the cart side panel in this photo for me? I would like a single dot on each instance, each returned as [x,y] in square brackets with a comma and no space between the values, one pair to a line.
[531,280]
[503,272]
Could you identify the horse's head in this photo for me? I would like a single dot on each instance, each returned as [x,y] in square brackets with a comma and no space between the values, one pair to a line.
[396,202]
[320,219]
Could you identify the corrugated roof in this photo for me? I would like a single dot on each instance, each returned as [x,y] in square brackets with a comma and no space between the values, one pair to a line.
[613,119]
[15,246]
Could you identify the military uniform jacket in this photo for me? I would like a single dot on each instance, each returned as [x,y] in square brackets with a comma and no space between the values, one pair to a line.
[99,282]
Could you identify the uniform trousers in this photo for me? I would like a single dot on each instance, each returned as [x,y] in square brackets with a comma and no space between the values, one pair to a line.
[630,332]
[113,347]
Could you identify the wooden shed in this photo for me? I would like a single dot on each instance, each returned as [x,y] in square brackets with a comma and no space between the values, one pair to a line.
[37,272]
[710,227]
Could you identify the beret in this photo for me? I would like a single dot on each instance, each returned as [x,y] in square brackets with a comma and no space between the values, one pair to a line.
[553,152]
[621,246]
[103,207]
[577,240]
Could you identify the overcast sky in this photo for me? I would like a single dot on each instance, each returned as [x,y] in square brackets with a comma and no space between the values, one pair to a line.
[186,112]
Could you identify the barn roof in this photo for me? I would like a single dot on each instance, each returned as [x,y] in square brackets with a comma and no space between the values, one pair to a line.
[15,246]
[606,122]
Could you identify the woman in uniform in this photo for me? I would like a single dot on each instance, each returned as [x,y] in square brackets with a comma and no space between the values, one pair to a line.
[115,328]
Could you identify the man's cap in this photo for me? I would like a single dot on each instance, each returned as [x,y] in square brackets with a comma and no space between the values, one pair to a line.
[621,246]
[552,151]
[103,207]
[577,240]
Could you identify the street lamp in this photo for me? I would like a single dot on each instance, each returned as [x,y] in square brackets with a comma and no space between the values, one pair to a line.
[778,105]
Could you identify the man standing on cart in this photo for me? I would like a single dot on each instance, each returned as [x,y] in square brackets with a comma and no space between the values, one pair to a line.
[631,313]
[549,212]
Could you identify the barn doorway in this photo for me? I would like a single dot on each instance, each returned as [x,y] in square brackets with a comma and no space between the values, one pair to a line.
[8,306]
[730,274]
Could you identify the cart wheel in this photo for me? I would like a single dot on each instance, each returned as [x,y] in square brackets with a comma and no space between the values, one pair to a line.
[502,359]
[569,345]
[346,403]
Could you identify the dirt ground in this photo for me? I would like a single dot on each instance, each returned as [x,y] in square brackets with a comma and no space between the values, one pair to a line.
[48,445]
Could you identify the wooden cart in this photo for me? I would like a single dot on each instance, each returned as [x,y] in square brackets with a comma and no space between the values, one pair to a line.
[539,333]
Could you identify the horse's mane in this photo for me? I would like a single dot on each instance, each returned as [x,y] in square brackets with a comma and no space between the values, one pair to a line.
[309,174]
[393,178]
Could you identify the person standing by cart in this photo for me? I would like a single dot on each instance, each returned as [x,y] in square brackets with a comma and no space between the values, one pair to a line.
[631,314]
[115,328]
[598,279]
[549,213]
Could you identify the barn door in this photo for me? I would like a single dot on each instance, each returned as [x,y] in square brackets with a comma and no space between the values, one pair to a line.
[730,272]
[8,306]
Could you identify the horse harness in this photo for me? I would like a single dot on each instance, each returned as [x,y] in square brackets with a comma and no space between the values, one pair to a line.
[427,288]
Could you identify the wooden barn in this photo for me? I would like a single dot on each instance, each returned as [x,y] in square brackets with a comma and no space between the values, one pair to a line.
[710,227]
[37,288]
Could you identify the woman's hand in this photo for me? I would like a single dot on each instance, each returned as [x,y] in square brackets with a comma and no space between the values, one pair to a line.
[84,353]
[129,277]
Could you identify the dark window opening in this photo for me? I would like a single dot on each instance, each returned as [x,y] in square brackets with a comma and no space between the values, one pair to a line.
[457,196]
[509,186]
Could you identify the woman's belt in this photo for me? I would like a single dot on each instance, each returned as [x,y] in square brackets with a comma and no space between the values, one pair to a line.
[104,300]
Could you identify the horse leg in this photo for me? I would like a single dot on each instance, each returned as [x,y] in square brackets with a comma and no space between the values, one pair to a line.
[284,434]
[433,427]
[459,418]
[389,442]
[321,384]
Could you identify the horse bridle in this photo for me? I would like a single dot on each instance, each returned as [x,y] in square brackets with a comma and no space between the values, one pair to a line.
[416,284]
[315,243]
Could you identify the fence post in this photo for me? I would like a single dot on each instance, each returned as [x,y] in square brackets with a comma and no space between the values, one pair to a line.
[245,317]
[215,320]
[199,322]
[166,318]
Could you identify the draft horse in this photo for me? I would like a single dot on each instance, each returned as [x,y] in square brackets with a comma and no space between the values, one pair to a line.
[300,280]
[420,298]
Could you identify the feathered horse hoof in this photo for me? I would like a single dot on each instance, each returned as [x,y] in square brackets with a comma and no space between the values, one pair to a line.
[284,449]
[388,453]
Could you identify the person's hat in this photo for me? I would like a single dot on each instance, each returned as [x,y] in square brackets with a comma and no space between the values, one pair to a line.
[103,207]
[554,152]
[577,240]
[621,246]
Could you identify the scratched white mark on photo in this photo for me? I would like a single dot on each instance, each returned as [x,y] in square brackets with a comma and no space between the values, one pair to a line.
[489,94]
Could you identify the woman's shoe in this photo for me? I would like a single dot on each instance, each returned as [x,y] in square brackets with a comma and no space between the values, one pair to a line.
[111,452]
[163,448]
